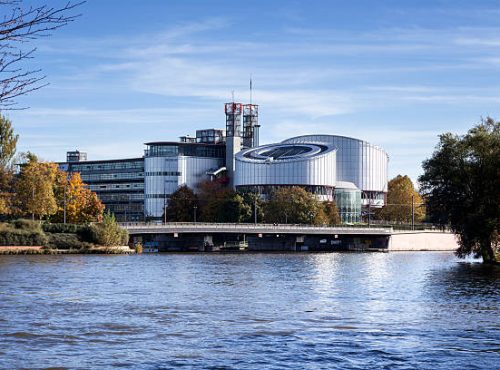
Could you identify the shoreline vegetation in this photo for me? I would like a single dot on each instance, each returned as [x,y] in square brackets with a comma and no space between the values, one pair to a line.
[33,237]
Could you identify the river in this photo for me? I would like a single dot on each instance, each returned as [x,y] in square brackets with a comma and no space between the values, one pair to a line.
[249,311]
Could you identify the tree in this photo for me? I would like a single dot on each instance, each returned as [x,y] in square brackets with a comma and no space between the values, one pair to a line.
[34,189]
[293,205]
[82,205]
[19,26]
[220,204]
[8,143]
[108,232]
[401,193]
[181,205]
[331,213]
[254,202]
[461,186]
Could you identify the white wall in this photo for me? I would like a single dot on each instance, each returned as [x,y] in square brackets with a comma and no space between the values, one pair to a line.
[423,241]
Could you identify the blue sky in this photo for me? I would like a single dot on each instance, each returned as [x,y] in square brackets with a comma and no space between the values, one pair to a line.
[394,73]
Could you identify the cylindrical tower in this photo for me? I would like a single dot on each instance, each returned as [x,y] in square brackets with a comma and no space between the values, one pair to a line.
[233,136]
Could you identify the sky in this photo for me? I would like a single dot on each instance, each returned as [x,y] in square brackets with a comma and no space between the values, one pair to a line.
[394,73]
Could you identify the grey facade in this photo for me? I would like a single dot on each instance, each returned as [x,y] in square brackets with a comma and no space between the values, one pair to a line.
[119,184]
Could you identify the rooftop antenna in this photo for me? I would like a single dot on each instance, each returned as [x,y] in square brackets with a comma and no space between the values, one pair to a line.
[232,95]
[250,88]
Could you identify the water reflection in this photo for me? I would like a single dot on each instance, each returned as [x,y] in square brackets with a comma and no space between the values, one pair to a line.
[400,310]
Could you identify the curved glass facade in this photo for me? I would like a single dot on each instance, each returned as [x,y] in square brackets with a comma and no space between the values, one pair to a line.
[349,204]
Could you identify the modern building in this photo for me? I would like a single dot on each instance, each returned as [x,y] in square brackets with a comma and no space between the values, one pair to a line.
[169,165]
[350,171]
[119,183]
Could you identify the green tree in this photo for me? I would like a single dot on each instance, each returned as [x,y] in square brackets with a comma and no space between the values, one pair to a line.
[8,143]
[220,204]
[293,205]
[399,202]
[108,232]
[34,189]
[181,205]
[461,185]
[253,200]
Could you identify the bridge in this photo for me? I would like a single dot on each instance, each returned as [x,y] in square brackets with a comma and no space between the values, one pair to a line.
[141,228]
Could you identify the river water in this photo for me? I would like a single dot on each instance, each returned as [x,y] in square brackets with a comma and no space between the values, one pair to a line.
[249,311]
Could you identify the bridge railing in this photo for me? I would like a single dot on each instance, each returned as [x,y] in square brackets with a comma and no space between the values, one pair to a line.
[246,226]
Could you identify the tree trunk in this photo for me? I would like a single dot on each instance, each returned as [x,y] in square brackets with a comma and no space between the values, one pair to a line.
[489,255]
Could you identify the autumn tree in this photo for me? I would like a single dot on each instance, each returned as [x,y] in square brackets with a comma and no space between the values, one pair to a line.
[34,189]
[293,205]
[461,185]
[401,193]
[331,212]
[181,205]
[82,205]
[20,26]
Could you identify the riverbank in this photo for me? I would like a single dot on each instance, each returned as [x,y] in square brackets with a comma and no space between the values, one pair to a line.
[14,250]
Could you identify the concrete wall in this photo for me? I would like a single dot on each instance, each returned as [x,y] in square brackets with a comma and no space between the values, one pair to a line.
[423,241]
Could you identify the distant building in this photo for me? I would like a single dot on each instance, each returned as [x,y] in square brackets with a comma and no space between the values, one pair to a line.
[350,171]
[168,165]
[119,184]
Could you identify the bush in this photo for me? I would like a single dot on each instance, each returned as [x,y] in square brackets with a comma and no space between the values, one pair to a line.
[22,237]
[108,233]
[23,224]
[62,228]
[66,241]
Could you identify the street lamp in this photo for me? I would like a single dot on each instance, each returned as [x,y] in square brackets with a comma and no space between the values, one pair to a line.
[195,208]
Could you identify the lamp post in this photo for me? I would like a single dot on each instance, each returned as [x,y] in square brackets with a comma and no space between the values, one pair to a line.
[165,210]
[195,208]
[413,212]
[255,209]
[64,200]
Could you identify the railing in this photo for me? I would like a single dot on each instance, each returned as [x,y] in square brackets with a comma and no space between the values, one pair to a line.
[247,226]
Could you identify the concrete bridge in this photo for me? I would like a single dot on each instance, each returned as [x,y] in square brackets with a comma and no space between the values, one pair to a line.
[141,228]
[190,236]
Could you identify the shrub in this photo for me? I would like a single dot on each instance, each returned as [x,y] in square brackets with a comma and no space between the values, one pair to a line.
[66,241]
[108,233]
[22,237]
[62,228]
[24,224]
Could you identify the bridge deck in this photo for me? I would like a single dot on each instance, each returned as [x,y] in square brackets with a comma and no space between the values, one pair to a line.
[210,228]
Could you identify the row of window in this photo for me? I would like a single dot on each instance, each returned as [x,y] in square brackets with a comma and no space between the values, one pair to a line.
[112,176]
[108,198]
[164,173]
[194,150]
[116,186]
[157,196]
[137,164]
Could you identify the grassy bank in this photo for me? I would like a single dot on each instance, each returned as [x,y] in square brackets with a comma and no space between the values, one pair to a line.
[31,237]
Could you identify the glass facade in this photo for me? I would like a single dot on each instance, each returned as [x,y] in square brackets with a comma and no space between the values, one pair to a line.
[185,149]
[119,184]
[349,204]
